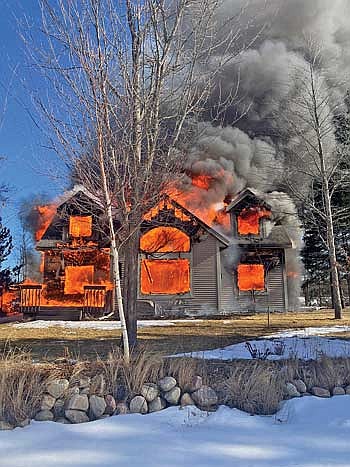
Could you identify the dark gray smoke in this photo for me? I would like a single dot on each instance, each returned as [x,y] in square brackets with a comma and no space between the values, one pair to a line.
[252,148]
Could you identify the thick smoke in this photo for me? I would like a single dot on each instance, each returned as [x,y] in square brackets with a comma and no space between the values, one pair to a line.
[252,149]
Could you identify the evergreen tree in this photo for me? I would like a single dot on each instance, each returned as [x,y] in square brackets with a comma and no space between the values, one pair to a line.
[5,250]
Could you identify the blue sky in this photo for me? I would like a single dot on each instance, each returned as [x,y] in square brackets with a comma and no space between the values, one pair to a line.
[28,166]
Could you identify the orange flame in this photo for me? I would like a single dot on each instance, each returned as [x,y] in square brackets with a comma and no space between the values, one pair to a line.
[251,277]
[249,220]
[165,240]
[80,226]
[46,214]
[165,276]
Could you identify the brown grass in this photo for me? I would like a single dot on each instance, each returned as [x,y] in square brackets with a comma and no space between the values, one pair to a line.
[192,335]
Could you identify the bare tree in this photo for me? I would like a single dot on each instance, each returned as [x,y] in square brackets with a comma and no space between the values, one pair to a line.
[317,165]
[129,81]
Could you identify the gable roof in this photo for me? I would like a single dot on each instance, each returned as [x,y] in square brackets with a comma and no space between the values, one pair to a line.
[247,193]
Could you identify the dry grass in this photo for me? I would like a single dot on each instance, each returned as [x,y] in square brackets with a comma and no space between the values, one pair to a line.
[192,335]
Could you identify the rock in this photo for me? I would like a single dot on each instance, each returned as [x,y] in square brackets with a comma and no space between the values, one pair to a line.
[205,396]
[167,383]
[195,384]
[138,405]
[62,420]
[47,402]
[78,402]
[300,385]
[306,394]
[44,416]
[173,396]
[97,407]
[72,392]
[58,408]
[338,391]
[347,390]
[98,385]
[186,399]
[85,391]
[320,392]
[23,423]
[5,425]
[111,405]
[149,391]
[121,409]
[103,416]
[291,390]
[156,405]
[76,416]
[84,382]
[57,387]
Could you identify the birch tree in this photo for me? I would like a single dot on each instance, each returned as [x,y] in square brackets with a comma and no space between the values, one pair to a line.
[318,167]
[128,82]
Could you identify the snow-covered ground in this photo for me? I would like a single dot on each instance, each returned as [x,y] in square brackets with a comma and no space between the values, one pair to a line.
[307,432]
[312,331]
[98,325]
[308,348]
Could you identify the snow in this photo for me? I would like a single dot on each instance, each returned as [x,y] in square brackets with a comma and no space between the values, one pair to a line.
[307,432]
[312,331]
[280,349]
[97,325]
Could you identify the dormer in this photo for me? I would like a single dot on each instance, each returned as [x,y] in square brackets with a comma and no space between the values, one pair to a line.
[249,214]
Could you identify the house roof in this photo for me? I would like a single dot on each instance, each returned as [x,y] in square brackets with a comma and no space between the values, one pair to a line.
[247,192]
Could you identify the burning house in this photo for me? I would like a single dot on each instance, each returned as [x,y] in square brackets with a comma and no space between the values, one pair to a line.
[187,265]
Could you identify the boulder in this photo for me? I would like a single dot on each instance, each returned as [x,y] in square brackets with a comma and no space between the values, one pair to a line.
[205,397]
[47,402]
[149,391]
[186,399]
[44,416]
[156,405]
[173,396]
[97,407]
[85,391]
[78,402]
[167,383]
[98,385]
[195,384]
[320,392]
[23,423]
[76,416]
[121,409]
[347,390]
[111,405]
[57,387]
[58,408]
[300,385]
[291,390]
[84,382]
[72,392]
[338,391]
[5,425]
[138,405]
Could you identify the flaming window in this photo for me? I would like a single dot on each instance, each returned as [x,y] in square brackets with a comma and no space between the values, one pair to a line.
[249,220]
[80,226]
[165,240]
[251,277]
[165,276]
[76,278]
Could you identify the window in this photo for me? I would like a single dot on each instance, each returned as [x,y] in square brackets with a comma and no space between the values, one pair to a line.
[76,278]
[251,277]
[165,240]
[248,221]
[80,226]
[162,276]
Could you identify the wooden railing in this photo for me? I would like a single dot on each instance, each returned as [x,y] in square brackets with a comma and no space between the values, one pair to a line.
[30,298]
[97,300]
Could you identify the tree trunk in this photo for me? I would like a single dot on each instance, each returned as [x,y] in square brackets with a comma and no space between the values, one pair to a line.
[131,284]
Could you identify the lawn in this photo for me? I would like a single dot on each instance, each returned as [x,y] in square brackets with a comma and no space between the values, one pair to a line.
[185,336]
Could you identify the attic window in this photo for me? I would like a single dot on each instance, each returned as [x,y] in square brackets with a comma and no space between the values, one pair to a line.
[248,221]
[80,226]
[165,240]
[251,277]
